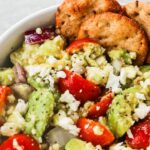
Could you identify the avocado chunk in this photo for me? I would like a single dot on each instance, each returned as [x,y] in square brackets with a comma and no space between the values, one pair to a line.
[145,68]
[130,95]
[119,116]
[132,90]
[7,76]
[120,54]
[41,105]
[38,54]
[32,80]
[87,57]
[120,112]
[77,144]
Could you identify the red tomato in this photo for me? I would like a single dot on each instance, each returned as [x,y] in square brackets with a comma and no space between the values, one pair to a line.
[4,92]
[100,108]
[24,141]
[141,135]
[83,90]
[76,45]
[95,132]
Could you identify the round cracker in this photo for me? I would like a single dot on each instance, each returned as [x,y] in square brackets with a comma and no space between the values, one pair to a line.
[116,31]
[72,13]
[140,11]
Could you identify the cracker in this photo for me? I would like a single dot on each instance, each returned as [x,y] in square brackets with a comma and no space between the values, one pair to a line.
[140,11]
[116,31]
[72,13]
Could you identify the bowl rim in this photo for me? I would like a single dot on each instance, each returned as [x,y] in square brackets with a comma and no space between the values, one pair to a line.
[24,20]
[12,38]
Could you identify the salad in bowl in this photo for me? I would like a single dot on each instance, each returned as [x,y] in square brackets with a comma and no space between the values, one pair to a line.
[68,92]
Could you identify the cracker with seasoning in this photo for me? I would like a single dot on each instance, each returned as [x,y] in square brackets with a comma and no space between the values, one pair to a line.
[72,13]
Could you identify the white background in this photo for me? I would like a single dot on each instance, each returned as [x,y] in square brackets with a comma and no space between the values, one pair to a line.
[11,11]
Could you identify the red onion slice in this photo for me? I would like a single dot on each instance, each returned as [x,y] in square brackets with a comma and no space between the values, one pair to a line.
[39,35]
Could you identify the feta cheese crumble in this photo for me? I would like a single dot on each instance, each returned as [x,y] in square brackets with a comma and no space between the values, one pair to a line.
[70,100]
[119,146]
[38,30]
[34,69]
[98,147]
[9,129]
[117,64]
[52,60]
[142,111]
[128,72]
[86,126]
[140,96]
[65,122]
[133,55]
[61,74]
[15,122]
[132,71]
[130,135]
[113,83]
[78,64]
[16,145]
[21,106]
[145,83]
[98,131]
[97,75]
[123,76]
[98,108]
[101,61]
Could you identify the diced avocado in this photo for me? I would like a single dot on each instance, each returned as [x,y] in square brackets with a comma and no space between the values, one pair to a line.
[130,95]
[77,144]
[7,76]
[38,54]
[41,105]
[119,116]
[92,48]
[91,52]
[52,47]
[120,112]
[117,54]
[145,68]
[37,84]
[89,56]
[132,90]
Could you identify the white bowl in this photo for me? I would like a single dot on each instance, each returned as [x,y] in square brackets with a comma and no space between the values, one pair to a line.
[13,37]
